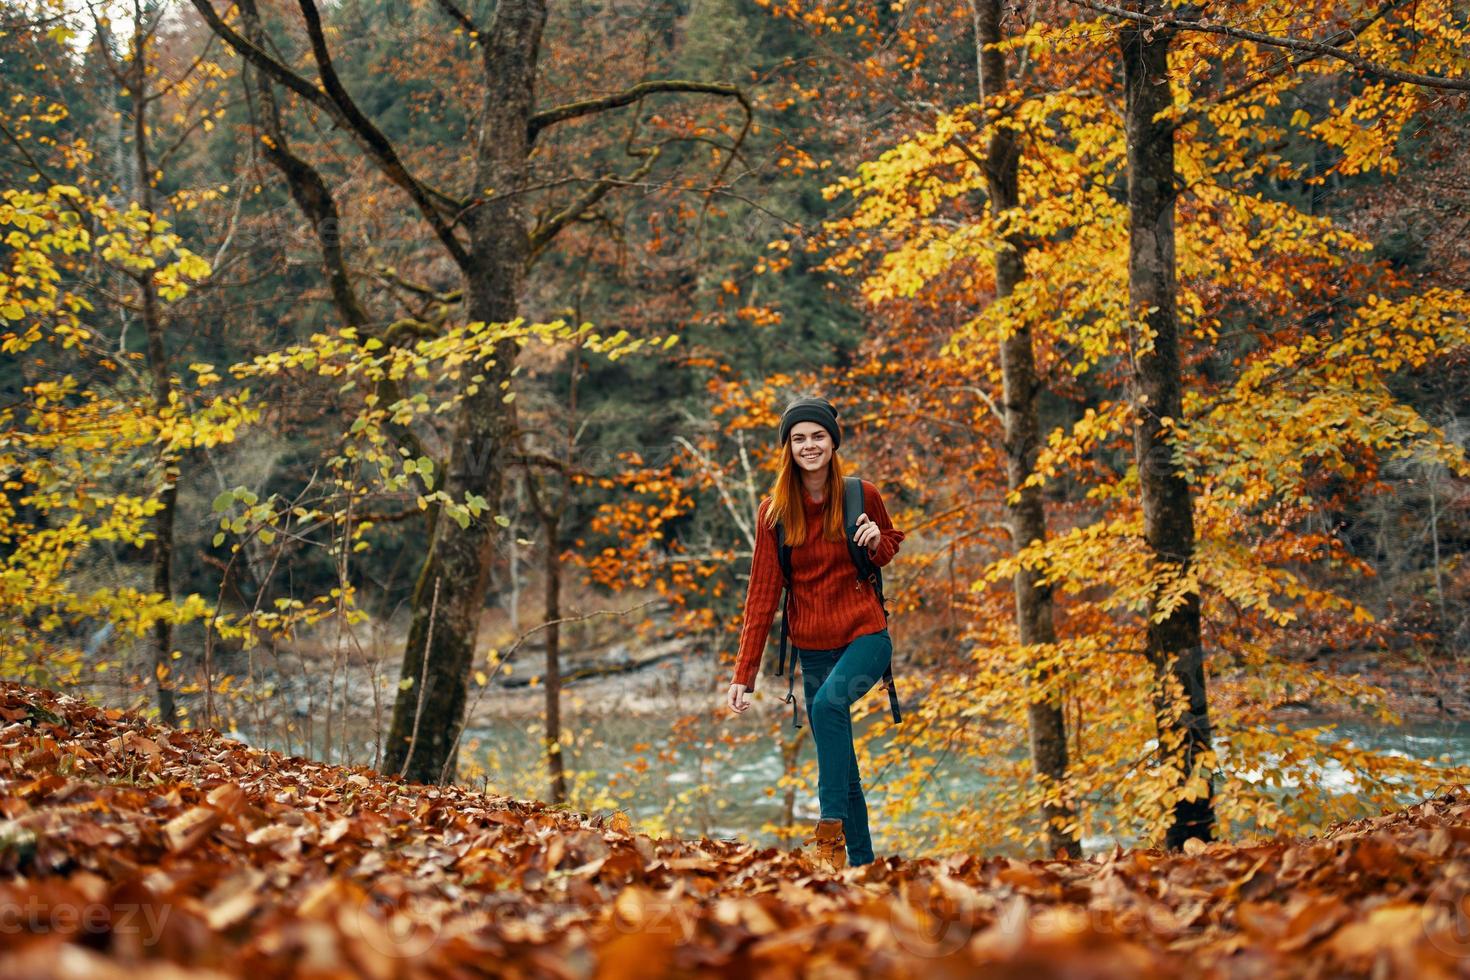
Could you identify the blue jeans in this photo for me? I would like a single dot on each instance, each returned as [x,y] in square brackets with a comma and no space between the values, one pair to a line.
[832,681]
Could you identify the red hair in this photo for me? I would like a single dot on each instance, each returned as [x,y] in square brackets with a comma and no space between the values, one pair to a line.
[786,502]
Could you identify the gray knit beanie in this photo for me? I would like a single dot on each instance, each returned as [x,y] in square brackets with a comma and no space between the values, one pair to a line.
[806,409]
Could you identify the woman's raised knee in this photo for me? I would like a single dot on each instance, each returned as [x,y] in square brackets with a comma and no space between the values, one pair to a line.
[830,708]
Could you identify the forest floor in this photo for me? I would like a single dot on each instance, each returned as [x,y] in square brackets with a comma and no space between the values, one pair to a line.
[129,846]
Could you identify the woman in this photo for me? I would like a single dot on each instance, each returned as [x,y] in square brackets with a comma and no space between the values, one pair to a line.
[837,625]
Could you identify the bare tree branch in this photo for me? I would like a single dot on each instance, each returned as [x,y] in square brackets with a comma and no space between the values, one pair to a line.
[431,203]
[314,198]
[26,153]
[159,93]
[1292,44]
[1288,64]
[391,276]
[547,230]
[461,18]
[530,459]
[715,474]
[378,145]
[572,110]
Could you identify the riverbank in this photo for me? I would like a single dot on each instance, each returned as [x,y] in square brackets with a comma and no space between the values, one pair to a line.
[1419,688]
[623,676]
[675,679]
[627,661]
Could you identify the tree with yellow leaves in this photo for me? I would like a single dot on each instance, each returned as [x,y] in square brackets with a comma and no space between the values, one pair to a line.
[79,443]
[1161,579]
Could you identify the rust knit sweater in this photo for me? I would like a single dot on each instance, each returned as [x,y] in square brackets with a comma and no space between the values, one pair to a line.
[830,607]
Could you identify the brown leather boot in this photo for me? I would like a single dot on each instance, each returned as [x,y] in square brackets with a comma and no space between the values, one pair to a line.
[830,850]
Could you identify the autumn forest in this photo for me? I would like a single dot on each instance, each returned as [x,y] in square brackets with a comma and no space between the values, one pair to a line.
[390,389]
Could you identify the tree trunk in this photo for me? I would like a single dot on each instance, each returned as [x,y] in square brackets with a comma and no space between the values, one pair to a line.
[437,663]
[1173,645]
[158,369]
[1027,517]
[790,754]
[513,609]
[555,766]
[498,252]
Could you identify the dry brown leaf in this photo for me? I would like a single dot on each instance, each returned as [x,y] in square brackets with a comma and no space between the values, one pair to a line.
[234,898]
[190,827]
[1386,927]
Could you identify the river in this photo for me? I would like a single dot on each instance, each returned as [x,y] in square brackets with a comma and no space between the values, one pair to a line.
[669,753]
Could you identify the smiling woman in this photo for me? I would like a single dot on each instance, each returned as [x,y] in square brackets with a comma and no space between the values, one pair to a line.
[837,624]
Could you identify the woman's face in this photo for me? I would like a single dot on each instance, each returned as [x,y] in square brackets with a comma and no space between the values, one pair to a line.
[811,446]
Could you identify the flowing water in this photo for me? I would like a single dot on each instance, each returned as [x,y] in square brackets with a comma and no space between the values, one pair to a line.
[712,773]
[610,741]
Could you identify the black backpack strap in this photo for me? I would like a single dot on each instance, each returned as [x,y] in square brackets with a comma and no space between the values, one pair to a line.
[852,506]
[783,553]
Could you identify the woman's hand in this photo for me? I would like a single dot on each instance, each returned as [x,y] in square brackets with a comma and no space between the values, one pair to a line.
[738,698]
[867,533]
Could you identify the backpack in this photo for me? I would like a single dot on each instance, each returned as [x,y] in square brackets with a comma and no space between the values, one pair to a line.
[852,506]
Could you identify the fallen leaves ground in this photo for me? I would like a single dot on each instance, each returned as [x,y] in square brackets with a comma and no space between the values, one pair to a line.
[128,847]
